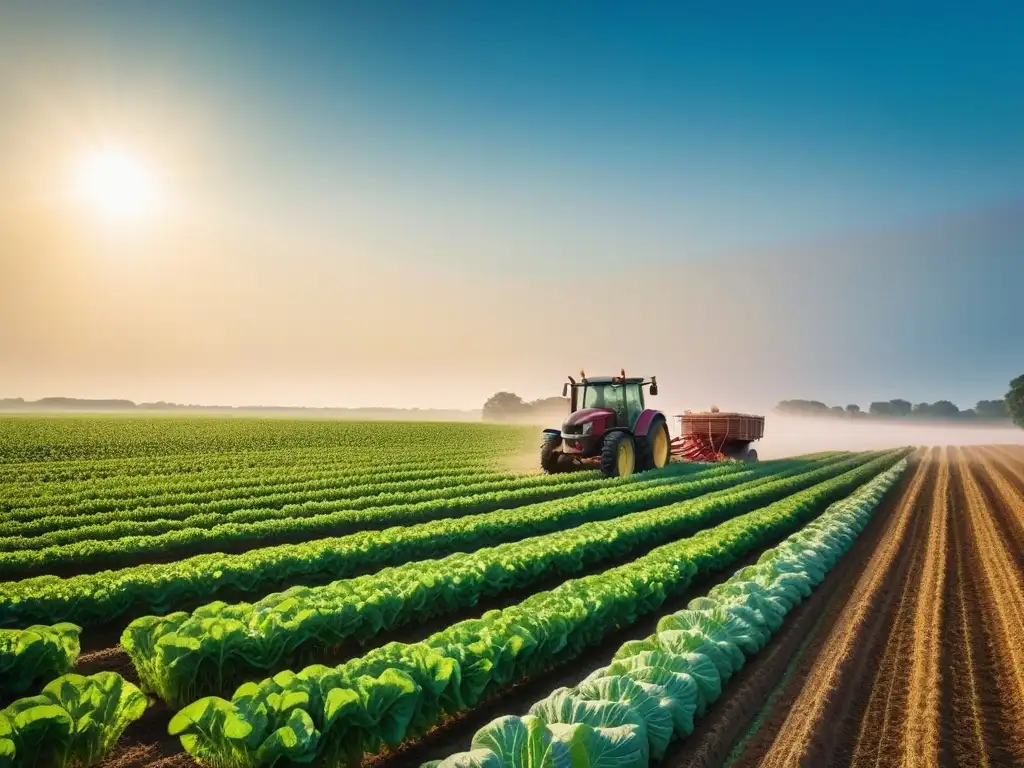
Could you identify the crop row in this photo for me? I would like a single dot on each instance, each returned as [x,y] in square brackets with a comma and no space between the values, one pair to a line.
[59,477]
[651,692]
[47,438]
[180,657]
[74,722]
[202,472]
[381,496]
[398,691]
[35,655]
[33,501]
[123,493]
[304,521]
[93,599]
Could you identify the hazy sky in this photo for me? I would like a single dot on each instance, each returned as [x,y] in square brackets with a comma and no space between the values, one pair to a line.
[408,203]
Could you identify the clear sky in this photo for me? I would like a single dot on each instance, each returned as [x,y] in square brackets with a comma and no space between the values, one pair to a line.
[417,204]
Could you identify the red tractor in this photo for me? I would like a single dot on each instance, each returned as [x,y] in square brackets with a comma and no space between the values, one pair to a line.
[609,425]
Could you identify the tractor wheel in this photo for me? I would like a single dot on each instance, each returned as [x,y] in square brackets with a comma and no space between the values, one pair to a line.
[618,455]
[654,449]
[550,455]
[750,455]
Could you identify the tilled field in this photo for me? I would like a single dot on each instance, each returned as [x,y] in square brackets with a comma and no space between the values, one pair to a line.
[912,652]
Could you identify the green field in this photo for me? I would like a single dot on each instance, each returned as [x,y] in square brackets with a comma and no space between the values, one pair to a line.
[286,592]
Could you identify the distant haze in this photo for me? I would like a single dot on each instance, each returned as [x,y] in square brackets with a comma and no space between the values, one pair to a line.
[789,436]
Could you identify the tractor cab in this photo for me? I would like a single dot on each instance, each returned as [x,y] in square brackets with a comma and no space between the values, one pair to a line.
[609,426]
[624,397]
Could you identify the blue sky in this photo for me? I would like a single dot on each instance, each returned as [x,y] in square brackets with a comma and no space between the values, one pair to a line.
[852,177]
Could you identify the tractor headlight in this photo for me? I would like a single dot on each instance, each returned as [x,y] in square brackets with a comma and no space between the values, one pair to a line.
[588,428]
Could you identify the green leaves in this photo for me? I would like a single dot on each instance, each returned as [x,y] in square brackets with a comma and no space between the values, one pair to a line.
[514,740]
[214,731]
[90,547]
[29,657]
[398,691]
[294,741]
[587,746]
[180,657]
[627,713]
[644,700]
[94,599]
[76,720]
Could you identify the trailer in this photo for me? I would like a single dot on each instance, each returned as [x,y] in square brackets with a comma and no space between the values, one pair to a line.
[716,436]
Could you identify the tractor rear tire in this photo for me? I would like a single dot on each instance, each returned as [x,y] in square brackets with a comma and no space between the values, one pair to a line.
[550,456]
[654,449]
[618,455]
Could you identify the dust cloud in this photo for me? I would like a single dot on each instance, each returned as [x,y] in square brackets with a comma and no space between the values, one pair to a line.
[526,462]
[789,436]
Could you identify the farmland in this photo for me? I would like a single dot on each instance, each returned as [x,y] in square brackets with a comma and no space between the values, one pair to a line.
[242,592]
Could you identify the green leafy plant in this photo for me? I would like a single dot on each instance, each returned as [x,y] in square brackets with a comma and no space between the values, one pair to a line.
[75,721]
[32,656]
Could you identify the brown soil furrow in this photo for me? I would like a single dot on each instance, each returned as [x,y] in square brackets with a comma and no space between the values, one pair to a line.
[901,724]
[751,691]
[964,739]
[1012,453]
[922,742]
[804,732]
[1005,490]
[1002,588]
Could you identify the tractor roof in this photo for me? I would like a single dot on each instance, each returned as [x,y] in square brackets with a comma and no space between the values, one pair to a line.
[610,380]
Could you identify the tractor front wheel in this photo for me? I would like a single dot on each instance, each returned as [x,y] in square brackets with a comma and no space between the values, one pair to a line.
[550,455]
[653,450]
[750,455]
[618,455]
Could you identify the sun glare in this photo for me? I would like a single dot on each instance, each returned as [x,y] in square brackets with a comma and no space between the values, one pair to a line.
[115,185]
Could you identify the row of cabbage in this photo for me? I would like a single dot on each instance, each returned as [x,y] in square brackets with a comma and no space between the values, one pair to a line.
[25,439]
[182,656]
[301,522]
[95,599]
[144,481]
[382,499]
[42,501]
[627,713]
[59,477]
[35,655]
[75,721]
[396,692]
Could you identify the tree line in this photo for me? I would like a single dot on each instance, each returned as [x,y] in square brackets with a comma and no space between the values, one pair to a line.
[898,409]
[508,406]
[1009,408]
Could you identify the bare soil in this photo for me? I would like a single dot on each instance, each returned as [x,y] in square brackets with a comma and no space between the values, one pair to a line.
[922,662]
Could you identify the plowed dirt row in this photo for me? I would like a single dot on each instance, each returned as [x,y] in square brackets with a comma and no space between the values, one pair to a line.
[923,663]
[902,718]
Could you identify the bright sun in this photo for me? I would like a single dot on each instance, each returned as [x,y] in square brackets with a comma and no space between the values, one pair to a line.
[115,185]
